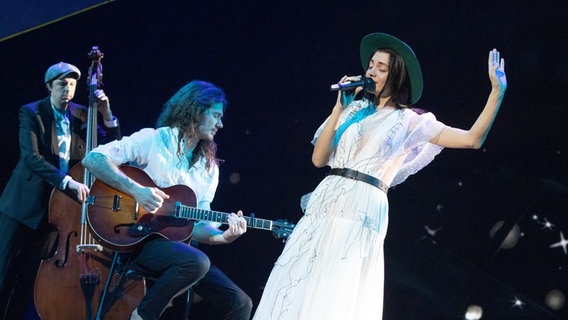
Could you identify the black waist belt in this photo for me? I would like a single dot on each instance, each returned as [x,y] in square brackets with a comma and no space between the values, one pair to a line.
[356,175]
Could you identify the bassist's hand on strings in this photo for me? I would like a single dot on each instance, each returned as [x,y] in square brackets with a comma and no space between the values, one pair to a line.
[80,190]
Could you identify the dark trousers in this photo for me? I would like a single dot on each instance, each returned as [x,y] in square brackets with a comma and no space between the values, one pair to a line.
[176,266]
[222,297]
[21,251]
[8,229]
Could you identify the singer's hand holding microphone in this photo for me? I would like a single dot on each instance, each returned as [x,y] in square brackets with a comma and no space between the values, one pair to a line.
[349,87]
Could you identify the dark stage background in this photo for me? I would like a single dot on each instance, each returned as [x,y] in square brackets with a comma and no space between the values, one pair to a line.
[276,60]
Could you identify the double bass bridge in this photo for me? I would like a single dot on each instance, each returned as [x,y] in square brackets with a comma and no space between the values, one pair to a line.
[94,247]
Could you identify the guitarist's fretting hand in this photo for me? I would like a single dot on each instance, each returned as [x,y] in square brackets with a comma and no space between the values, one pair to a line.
[237,226]
[206,233]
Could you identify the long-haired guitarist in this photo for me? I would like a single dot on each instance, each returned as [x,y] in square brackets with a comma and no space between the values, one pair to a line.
[181,151]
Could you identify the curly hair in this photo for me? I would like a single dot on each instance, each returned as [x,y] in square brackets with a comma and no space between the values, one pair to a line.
[183,111]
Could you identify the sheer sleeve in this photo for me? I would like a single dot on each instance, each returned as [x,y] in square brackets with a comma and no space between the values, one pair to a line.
[418,151]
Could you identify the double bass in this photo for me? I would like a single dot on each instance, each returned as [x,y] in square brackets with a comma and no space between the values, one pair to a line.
[82,279]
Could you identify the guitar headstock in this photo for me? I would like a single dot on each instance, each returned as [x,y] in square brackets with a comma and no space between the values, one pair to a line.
[281,229]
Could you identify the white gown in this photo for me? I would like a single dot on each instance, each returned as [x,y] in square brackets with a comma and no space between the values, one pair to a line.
[332,266]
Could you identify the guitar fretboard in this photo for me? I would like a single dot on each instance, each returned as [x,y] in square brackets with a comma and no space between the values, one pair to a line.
[192,213]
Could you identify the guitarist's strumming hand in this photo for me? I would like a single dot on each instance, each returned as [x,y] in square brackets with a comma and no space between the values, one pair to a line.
[237,226]
[151,199]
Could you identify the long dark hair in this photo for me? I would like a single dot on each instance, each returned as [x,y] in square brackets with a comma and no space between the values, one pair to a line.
[397,81]
[184,110]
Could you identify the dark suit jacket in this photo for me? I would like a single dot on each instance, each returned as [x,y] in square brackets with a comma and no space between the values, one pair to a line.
[26,196]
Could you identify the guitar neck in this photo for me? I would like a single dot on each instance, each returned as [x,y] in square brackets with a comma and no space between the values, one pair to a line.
[192,213]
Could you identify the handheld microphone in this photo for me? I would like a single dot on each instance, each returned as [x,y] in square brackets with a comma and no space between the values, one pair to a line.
[366,83]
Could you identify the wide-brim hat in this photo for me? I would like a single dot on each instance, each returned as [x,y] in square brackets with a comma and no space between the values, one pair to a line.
[62,70]
[373,41]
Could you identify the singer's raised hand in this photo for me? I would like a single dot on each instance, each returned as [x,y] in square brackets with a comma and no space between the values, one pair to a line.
[496,66]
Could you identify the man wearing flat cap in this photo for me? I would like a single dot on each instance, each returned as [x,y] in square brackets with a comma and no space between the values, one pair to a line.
[52,140]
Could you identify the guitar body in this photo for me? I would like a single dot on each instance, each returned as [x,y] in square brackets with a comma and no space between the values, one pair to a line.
[118,222]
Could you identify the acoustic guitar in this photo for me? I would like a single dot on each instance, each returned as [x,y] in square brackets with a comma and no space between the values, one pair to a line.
[121,224]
